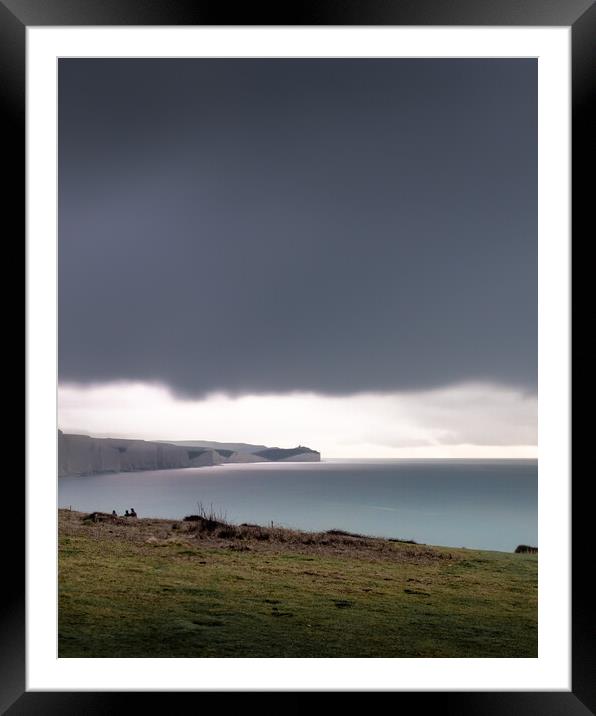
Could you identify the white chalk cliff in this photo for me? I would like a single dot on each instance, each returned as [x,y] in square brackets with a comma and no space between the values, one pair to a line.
[312,456]
[85,455]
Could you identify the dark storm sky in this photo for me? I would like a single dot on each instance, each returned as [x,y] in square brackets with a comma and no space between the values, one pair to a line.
[278,225]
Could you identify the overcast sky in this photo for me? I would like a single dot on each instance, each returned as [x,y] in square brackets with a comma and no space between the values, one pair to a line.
[312,233]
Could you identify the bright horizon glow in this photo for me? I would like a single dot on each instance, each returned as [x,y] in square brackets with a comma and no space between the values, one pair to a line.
[472,420]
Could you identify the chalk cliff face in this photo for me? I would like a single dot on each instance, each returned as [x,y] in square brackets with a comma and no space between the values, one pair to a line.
[207,457]
[84,455]
[311,456]
[142,455]
[244,457]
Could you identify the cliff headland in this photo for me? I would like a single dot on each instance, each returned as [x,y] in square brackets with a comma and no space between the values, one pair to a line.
[85,455]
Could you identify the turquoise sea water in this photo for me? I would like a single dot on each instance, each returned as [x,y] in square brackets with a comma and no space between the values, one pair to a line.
[484,504]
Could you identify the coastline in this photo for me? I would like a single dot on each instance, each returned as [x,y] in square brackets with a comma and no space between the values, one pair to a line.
[488,506]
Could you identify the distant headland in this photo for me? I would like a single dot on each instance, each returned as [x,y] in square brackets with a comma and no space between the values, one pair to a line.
[85,455]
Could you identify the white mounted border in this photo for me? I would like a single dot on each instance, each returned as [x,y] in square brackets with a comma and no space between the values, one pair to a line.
[551,670]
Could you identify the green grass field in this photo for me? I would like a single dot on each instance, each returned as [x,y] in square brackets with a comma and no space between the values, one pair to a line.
[153,588]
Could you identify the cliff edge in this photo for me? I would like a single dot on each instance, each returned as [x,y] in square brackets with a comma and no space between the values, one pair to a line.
[85,455]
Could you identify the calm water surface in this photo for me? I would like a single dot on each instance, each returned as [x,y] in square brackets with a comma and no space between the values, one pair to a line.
[484,504]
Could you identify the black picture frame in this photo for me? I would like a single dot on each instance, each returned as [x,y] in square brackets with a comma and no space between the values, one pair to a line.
[580,15]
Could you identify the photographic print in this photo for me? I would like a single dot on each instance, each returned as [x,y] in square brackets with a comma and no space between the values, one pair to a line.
[297,400]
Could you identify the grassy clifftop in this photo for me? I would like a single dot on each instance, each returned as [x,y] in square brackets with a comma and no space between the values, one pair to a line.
[142,588]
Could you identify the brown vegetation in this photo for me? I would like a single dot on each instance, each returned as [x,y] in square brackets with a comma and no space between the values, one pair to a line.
[215,531]
[526,549]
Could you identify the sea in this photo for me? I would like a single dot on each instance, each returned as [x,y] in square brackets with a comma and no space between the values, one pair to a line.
[478,504]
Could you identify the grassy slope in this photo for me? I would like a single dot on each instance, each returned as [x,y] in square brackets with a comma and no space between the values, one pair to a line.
[153,590]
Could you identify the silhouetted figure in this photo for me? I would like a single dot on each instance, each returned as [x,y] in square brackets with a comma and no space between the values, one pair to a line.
[132,512]
[114,513]
[126,514]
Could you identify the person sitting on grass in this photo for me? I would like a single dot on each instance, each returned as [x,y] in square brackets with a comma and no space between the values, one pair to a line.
[126,514]
[132,512]
[114,514]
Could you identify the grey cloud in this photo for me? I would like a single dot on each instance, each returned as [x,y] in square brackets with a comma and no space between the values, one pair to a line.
[276,225]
